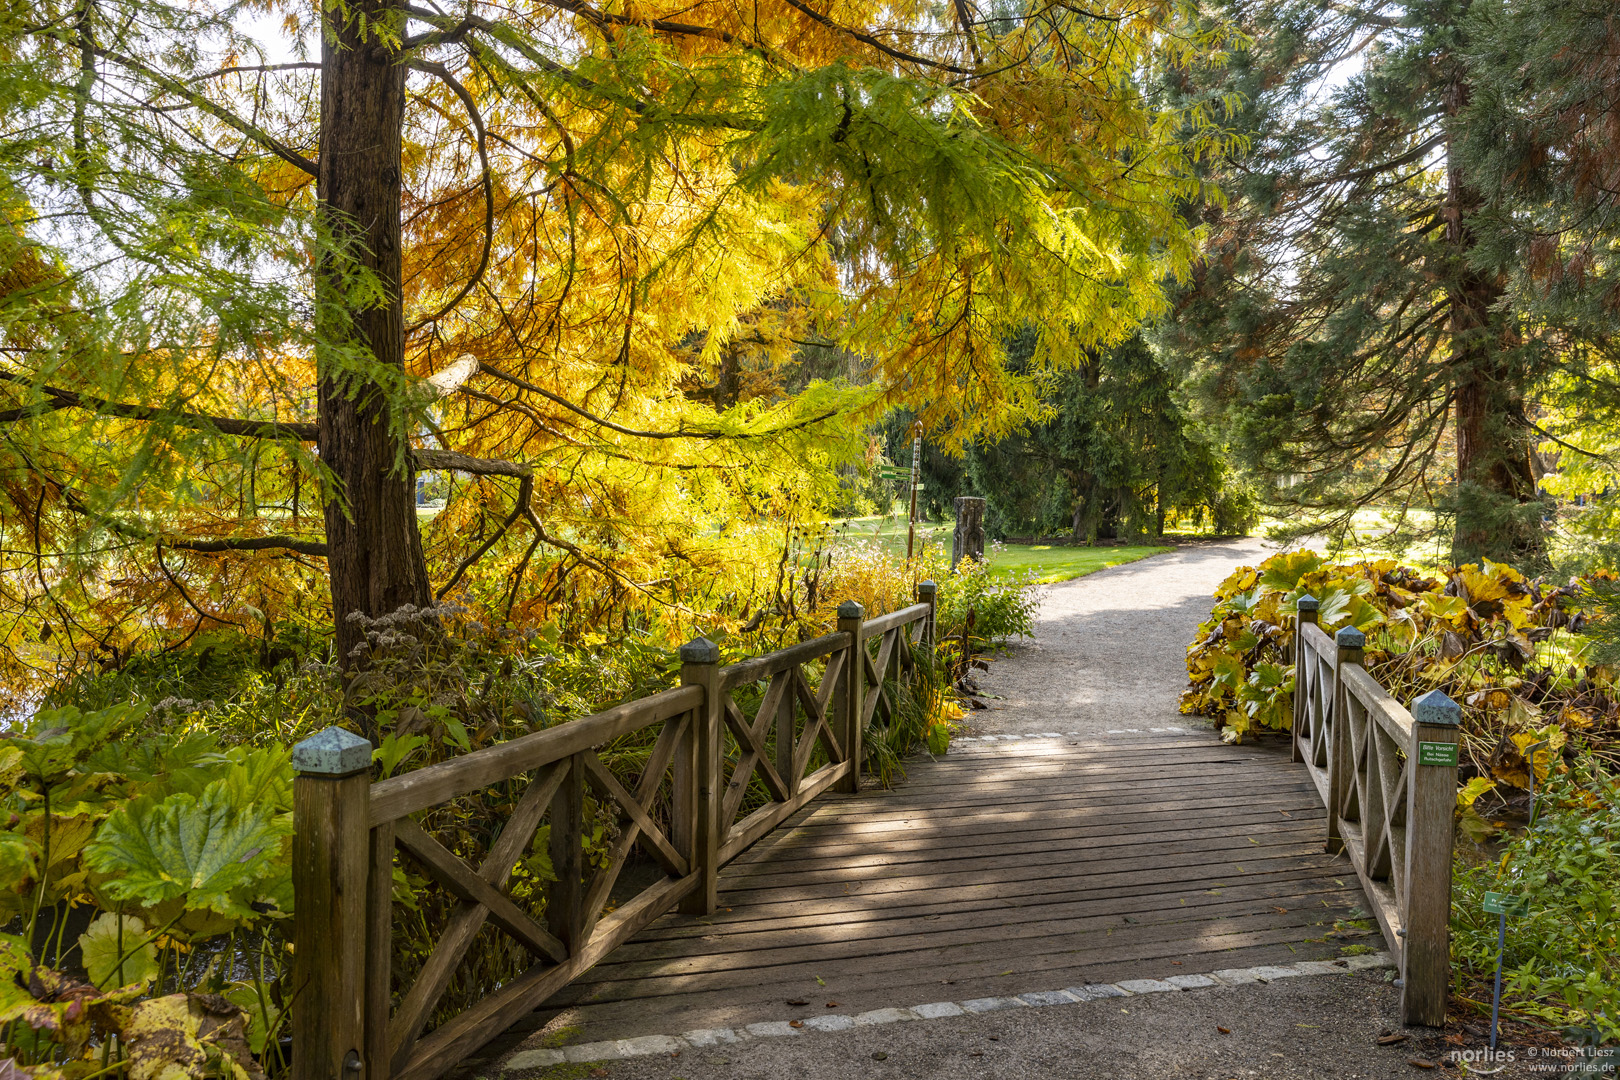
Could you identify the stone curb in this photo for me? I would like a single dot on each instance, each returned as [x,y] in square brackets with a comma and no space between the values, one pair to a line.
[616,1049]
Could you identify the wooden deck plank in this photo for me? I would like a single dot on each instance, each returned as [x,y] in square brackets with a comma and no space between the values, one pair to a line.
[998,869]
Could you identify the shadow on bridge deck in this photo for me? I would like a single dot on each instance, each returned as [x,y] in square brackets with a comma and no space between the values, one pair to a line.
[1000,869]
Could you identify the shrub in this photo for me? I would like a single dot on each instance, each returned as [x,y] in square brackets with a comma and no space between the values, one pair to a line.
[1500,645]
[1562,960]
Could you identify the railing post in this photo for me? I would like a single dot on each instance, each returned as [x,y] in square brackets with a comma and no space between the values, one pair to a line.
[700,666]
[1431,799]
[1307,607]
[928,593]
[331,849]
[1350,644]
[565,904]
[847,695]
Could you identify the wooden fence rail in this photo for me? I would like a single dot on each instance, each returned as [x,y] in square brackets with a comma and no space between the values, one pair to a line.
[681,814]
[1388,778]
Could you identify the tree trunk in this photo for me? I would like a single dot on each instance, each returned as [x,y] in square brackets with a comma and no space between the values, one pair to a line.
[1498,510]
[374,551]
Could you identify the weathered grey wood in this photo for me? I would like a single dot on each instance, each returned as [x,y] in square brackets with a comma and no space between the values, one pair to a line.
[330,855]
[683,803]
[1339,759]
[565,902]
[848,712]
[459,879]
[1306,610]
[431,982]
[905,616]
[607,785]
[640,827]
[1383,709]
[379,950]
[424,788]
[928,593]
[786,711]
[967,542]
[1041,899]
[751,759]
[763,666]
[700,670]
[768,817]
[452,1043]
[1431,793]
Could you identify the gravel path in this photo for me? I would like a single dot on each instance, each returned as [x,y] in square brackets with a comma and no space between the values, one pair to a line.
[1107,655]
[1109,650]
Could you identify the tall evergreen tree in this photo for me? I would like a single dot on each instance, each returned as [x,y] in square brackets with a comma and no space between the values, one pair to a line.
[1348,326]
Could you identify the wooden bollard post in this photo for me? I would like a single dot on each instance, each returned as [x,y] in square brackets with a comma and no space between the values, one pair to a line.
[700,666]
[967,542]
[1307,607]
[928,593]
[1431,798]
[847,695]
[330,853]
[1350,644]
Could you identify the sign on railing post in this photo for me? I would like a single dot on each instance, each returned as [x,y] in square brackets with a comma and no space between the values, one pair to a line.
[700,666]
[1431,797]
[331,827]
[1307,607]
[847,695]
[1350,644]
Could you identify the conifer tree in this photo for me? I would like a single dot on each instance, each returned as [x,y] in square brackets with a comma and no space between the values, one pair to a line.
[1349,325]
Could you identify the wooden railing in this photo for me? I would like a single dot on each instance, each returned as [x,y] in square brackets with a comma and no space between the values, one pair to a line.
[682,814]
[1388,778]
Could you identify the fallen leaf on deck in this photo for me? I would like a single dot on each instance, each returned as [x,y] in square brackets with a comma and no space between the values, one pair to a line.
[1279,910]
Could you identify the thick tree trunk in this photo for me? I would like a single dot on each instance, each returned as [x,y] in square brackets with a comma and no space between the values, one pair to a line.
[1498,510]
[374,549]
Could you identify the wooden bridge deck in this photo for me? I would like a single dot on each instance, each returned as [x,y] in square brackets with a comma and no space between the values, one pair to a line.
[1003,868]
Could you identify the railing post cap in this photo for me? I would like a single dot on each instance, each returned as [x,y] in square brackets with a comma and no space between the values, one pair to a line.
[332,752]
[1436,708]
[1307,603]
[700,650]
[926,588]
[851,609]
[1349,638]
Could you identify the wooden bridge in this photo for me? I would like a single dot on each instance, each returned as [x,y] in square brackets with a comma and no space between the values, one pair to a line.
[1009,865]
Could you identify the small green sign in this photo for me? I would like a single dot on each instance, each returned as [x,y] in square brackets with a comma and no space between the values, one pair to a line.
[1499,903]
[1437,753]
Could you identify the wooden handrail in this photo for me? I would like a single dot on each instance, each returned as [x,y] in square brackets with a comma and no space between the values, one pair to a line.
[1388,778]
[901,617]
[406,794]
[802,740]
[763,667]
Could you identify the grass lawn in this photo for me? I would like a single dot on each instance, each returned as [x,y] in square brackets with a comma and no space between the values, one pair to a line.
[1049,562]
[1062,563]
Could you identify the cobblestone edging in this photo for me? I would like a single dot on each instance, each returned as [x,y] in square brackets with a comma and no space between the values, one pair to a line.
[616,1049]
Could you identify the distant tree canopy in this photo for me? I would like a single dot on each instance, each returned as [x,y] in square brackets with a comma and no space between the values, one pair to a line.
[1113,455]
[1415,275]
